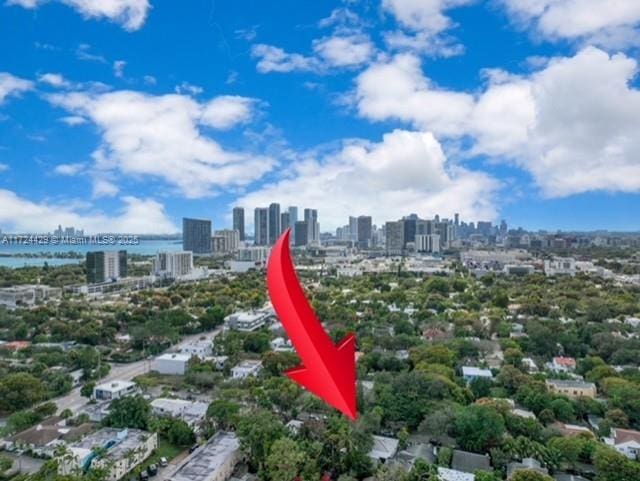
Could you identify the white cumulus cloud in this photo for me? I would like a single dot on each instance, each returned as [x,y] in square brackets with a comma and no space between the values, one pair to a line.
[612,23]
[160,136]
[131,14]
[406,172]
[69,169]
[11,86]
[136,216]
[423,26]
[338,51]
[227,111]
[572,124]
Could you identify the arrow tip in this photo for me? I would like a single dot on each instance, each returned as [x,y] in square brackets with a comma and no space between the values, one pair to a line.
[338,386]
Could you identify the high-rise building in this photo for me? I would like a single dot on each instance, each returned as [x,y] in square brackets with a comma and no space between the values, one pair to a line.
[503,228]
[261,226]
[445,230]
[285,221]
[484,227]
[353,229]
[365,233]
[301,233]
[238,221]
[456,219]
[293,218]
[274,223]
[173,264]
[103,266]
[394,235]
[226,240]
[424,227]
[313,228]
[428,243]
[196,236]
[293,215]
[410,226]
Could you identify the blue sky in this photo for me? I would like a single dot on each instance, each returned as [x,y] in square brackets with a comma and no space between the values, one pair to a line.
[125,115]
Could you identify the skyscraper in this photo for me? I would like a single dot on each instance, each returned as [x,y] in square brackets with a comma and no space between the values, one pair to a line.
[103,266]
[394,232]
[261,226]
[196,236]
[410,230]
[504,228]
[424,227]
[285,222]
[445,230]
[353,229]
[238,221]
[313,228]
[364,231]
[293,218]
[274,223]
[301,232]
[293,215]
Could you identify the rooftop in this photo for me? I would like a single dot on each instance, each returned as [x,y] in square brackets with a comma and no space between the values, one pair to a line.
[564,361]
[119,442]
[174,356]
[626,435]
[476,371]
[469,462]
[115,385]
[249,364]
[570,383]
[383,447]
[204,463]
[446,474]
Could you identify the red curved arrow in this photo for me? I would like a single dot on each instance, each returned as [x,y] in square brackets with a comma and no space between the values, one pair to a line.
[327,370]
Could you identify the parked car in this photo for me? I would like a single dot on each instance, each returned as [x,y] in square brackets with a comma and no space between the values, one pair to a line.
[153,469]
[144,476]
[163,462]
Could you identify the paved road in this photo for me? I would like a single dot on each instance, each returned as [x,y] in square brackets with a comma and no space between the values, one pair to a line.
[124,372]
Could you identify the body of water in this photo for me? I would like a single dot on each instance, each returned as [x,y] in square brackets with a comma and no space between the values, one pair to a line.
[145,247]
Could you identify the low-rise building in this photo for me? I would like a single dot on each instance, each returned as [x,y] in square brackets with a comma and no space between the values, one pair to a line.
[560,266]
[246,321]
[572,388]
[201,348]
[111,390]
[191,412]
[214,461]
[527,464]
[383,448]
[470,373]
[118,450]
[571,429]
[446,474]
[173,363]
[626,441]
[469,462]
[563,364]
[43,438]
[245,369]
[27,295]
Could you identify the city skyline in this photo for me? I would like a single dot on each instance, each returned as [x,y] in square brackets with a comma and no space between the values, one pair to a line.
[485,116]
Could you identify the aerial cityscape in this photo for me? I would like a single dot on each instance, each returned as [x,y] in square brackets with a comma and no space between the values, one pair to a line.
[350,240]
